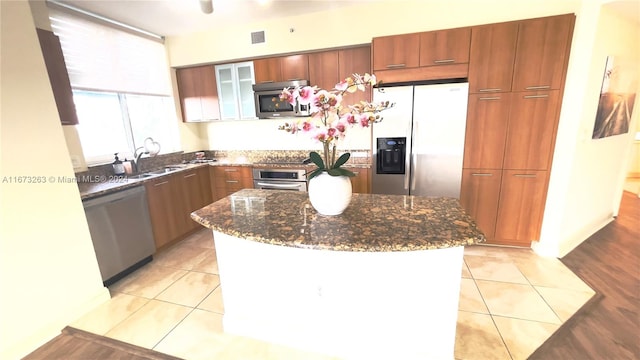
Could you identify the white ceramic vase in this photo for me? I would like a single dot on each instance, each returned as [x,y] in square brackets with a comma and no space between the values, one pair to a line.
[330,195]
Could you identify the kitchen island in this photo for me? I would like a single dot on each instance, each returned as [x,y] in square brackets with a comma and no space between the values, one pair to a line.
[382,280]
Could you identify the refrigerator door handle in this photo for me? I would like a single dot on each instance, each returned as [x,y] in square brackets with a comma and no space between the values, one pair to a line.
[414,155]
[407,172]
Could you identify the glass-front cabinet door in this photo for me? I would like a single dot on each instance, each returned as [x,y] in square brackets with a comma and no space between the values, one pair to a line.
[235,90]
[246,79]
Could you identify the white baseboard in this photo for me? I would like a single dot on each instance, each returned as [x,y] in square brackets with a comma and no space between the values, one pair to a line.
[43,333]
[563,247]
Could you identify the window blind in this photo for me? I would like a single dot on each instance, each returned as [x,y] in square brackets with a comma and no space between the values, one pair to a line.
[102,58]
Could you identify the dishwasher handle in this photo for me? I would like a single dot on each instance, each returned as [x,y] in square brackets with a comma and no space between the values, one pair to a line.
[117,196]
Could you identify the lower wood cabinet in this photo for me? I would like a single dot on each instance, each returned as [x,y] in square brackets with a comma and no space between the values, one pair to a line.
[171,200]
[196,194]
[479,197]
[225,180]
[522,200]
[164,199]
[507,205]
[361,183]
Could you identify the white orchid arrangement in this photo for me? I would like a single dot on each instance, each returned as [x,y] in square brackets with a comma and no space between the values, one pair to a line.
[330,120]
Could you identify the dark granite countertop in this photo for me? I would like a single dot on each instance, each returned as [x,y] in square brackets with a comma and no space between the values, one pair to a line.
[371,223]
[102,185]
[94,186]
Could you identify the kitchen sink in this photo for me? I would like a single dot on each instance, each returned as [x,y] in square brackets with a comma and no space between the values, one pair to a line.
[161,171]
[149,174]
[140,176]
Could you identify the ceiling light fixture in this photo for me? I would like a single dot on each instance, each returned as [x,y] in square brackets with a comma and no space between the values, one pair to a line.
[206,6]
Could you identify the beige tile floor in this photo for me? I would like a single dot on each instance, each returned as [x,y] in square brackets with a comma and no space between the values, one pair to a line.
[511,301]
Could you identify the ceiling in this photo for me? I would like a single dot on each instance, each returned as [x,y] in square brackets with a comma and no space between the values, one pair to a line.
[177,17]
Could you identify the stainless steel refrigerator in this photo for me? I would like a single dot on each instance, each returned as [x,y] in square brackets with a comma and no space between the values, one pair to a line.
[419,145]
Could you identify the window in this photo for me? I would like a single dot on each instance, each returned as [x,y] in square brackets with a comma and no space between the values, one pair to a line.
[111,122]
[121,86]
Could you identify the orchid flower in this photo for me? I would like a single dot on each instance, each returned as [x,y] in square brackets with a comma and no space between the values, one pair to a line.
[330,120]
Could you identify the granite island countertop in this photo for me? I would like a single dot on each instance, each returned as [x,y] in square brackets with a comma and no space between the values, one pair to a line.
[371,223]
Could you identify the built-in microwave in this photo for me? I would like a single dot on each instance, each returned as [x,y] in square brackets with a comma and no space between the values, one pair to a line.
[270,106]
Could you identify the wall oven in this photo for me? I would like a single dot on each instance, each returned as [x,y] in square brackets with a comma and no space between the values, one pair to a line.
[269,105]
[280,179]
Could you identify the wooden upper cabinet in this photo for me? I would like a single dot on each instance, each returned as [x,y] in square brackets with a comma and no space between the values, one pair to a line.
[267,70]
[58,76]
[533,120]
[323,69]
[493,51]
[283,68]
[486,130]
[445,47]
[479,197]
[198,93]
[396,52]
[521,206]
[543,50]
[355,61]
[294,67]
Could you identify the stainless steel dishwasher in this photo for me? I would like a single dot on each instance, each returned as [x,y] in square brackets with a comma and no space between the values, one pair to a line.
[121,231]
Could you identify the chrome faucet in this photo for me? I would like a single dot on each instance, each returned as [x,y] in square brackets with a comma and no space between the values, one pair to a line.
[138,156]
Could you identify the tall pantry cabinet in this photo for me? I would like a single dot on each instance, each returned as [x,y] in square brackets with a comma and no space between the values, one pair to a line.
[516,79]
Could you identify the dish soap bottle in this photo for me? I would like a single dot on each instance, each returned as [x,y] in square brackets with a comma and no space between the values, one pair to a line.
[118,167]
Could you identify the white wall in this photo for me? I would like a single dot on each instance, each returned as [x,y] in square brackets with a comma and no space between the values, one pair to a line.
[264,135]
[48,269]
[332,28]
[352,25]
[587,175]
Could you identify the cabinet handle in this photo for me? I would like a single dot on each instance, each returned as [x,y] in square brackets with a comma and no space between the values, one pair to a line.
[537,87]
[444,61]
[266,81]
[489,90]
[481,174]
[525,175]
[232,181]
[395,66]
[190,175]
[535,96]
[230,170]
[294,79]
[161,183]
[490,98]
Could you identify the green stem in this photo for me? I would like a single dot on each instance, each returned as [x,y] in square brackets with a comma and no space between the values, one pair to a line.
[326,155]
[333,156]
